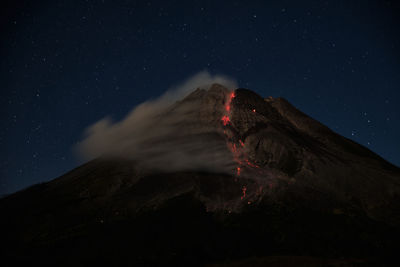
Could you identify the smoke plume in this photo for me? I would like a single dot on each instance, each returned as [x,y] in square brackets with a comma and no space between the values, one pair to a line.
[166,134]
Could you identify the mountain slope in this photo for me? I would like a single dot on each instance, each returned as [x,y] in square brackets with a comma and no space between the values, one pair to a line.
[294,188]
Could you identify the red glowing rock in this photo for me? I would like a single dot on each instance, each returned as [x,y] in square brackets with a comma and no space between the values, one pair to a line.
[225,120]
[244,189]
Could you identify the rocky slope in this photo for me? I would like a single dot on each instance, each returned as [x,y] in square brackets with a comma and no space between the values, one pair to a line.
[294,192]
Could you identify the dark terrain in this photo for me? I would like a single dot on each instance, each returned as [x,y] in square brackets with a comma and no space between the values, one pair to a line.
[303,196]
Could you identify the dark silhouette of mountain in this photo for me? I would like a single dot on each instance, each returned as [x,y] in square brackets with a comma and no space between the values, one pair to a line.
[299,195]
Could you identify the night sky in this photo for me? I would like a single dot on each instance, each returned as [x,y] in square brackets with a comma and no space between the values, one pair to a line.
[67,64]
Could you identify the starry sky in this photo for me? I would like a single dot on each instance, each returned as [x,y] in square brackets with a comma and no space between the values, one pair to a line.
[66,64]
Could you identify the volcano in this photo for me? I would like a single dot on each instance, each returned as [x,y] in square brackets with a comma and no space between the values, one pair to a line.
[291,192]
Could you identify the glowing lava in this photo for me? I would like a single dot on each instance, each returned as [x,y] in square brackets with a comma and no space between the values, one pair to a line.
[244,189]
[229,101]
[236,146]
[237,150]
[225,120]
[238,171]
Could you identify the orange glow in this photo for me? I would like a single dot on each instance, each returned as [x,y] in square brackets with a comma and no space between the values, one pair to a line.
[251,164]
[244,189]
[228,103]
[254,110]
[225,120]
[238,171]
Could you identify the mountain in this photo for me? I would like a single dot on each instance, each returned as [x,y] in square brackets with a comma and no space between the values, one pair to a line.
[292,193]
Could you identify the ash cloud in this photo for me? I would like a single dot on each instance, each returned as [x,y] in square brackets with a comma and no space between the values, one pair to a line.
[163,134]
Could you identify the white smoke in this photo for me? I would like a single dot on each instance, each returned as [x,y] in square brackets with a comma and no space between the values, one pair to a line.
[161,142]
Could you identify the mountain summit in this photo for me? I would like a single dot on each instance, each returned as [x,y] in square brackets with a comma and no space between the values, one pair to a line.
[220,177]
